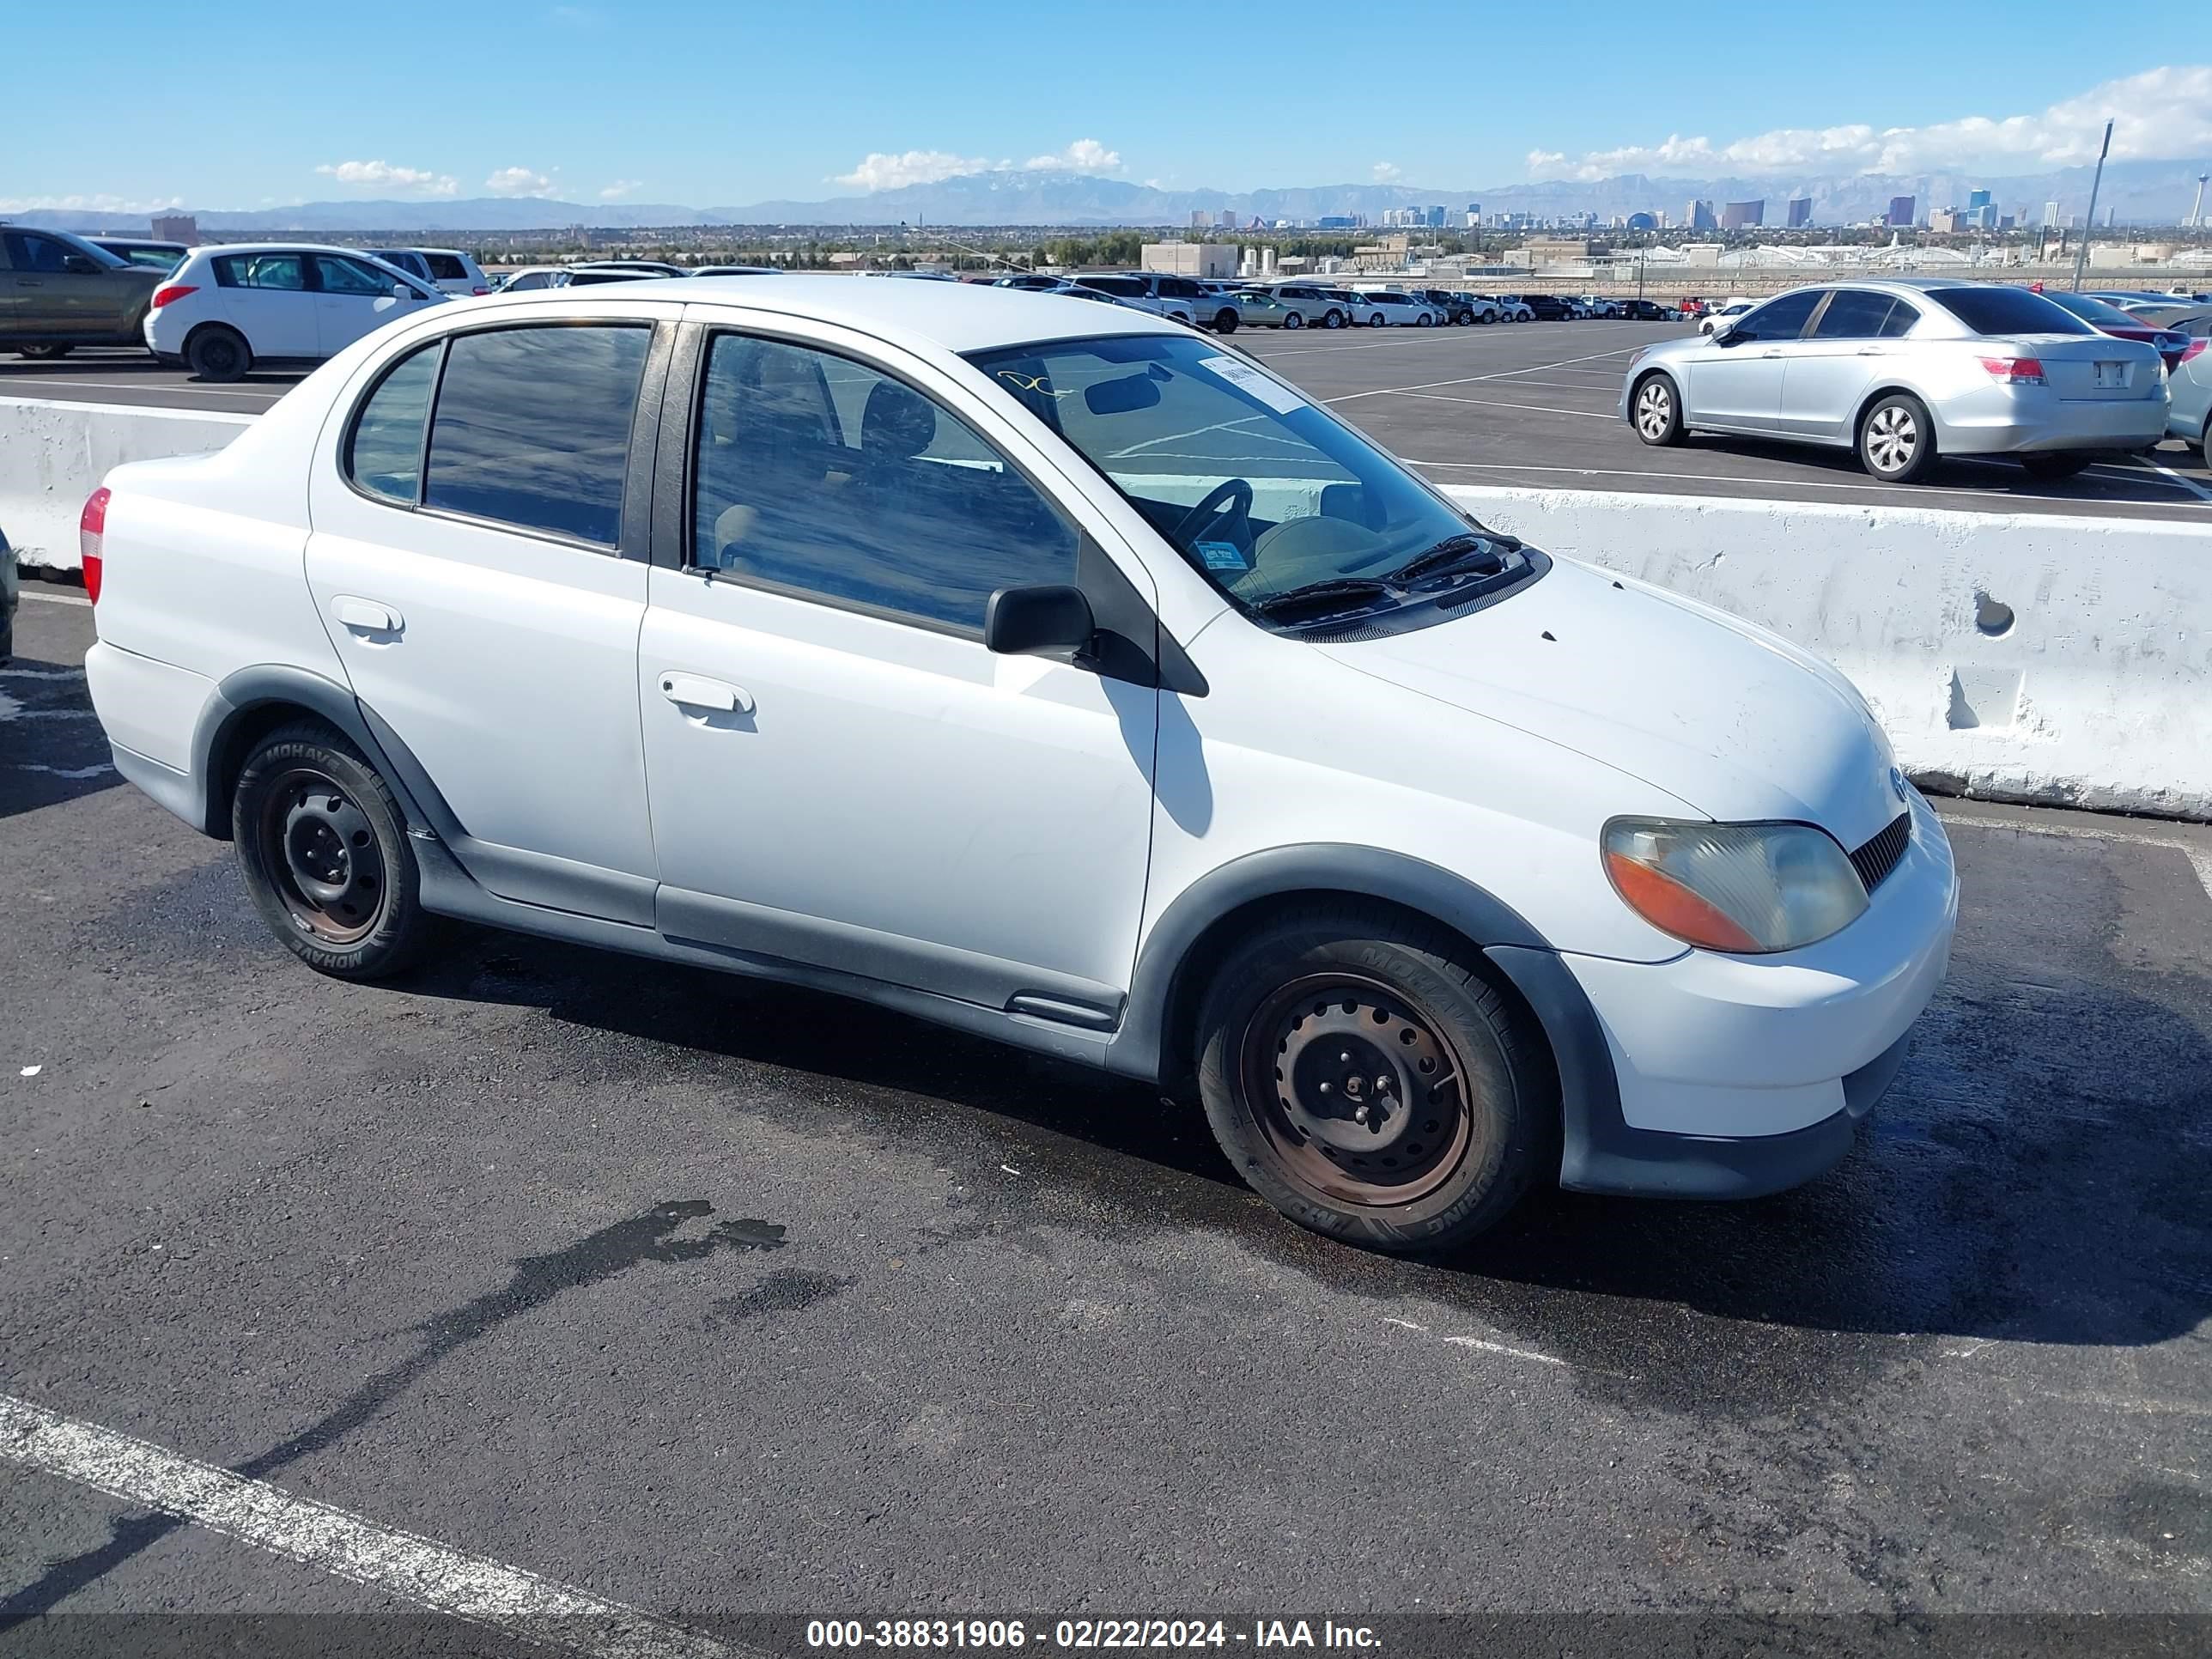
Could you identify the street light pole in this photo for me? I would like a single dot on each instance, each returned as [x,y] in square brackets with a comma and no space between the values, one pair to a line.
[2081,253]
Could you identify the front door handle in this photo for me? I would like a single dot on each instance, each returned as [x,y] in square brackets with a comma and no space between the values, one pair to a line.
[1872,351]
[366,616]
[1775,353]
[713,696]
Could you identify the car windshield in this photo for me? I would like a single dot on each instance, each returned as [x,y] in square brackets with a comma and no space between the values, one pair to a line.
[1262,491]
[1996,309]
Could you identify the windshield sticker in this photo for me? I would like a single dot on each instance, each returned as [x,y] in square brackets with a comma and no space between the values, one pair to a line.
[1223,555]
[1270,391]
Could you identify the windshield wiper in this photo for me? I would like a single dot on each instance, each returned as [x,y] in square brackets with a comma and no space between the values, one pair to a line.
[1455,550]
[1332,588]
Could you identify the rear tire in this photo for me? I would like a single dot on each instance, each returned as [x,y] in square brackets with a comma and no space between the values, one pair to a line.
[1654,409]
[1224,322]
[1372,1083]
[42,353]
[323,846]
[217,355]
[1897,439]
[2050,465]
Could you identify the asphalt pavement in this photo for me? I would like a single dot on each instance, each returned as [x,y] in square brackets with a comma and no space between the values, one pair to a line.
[547,1274]
[1524,403]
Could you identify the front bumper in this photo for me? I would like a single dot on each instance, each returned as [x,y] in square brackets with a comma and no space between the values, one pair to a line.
[1734,1075]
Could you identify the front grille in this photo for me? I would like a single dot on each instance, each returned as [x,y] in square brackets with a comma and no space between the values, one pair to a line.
[1874,861]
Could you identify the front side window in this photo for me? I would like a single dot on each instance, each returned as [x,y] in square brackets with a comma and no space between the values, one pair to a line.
[36,255]
[336,275]
[819,475]
[384,456]
[532,427]
[1259,489]
[285,271]
[1778,319]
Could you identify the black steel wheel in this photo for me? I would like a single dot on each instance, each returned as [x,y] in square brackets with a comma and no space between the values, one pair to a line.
[217,354]
[323,845]
[1361,1070]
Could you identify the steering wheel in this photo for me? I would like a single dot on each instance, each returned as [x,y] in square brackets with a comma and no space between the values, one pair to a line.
[1230,498]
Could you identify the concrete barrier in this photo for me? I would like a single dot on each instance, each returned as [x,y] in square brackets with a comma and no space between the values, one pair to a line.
[2018,657]
[53,452]
[2012,656]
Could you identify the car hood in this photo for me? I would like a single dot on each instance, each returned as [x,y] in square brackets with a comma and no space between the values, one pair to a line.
[1727,718]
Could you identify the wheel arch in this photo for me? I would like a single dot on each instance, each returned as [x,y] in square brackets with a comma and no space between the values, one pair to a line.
[1203,923]
[1875,394]
[1157,1038]
[252,703]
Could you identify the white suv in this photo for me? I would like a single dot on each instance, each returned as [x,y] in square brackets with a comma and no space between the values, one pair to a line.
[449,269]
[939,645]
[228,309]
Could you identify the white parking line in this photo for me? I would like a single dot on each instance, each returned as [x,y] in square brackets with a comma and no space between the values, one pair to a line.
[55,598]
[419,1570]
[1493,403]
[1762,488]
[270,392]
[1470,380]
[2200,860]
[2188,485]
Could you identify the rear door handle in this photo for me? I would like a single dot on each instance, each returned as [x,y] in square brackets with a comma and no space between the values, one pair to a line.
[713,696]
[366,616]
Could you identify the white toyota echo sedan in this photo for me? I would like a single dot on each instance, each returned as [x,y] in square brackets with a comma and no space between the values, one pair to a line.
[1050,672]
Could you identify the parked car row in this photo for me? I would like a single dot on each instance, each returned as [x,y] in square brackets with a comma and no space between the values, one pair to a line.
[1908,369]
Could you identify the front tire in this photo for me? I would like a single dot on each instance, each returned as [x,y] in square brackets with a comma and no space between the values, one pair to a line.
[1424,321]
[1332,318]
[1656,411]
[41,354]
[1294,320]
[218,355]
[1370,1082]
[323,845]
[1376,320]
[1897,439]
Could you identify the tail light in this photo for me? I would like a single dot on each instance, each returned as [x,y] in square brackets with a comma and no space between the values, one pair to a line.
[478,293]
[92,539]
[169,291]
[2193,348]
[2015,371]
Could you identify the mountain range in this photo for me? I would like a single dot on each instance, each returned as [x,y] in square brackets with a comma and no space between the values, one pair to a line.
[2138,193]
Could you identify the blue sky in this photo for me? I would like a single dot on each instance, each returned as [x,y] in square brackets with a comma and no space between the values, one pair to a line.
[134,104]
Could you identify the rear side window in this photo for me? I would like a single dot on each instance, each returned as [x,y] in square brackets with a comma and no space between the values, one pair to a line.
[1855,315]
[385,454]
[532,427]
[445,268]
[286,271]
[1997,310]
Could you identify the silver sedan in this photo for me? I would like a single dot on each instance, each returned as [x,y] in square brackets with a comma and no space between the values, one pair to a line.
[2190,414]
[1903,371]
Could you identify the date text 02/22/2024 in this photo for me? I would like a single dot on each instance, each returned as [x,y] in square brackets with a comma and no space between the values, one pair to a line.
[1082,1635]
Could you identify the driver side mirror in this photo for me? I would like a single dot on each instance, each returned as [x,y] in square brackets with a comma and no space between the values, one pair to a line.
[1725,334]
[1031,621]
[77,265]
[401,291]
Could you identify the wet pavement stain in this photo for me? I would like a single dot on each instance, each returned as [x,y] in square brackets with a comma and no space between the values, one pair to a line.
[537,1279]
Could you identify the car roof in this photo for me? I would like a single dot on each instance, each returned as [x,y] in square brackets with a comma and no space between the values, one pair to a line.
[958,317]
[283,247]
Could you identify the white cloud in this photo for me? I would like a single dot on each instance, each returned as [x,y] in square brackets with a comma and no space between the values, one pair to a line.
[518,181]
[620,188]
[1084,155]
[2162,114]
[85,205]
[1385,172]
[877,171]
[1544,160]
[382,175]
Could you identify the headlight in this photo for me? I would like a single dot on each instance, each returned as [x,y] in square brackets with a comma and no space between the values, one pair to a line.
[1743,888]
